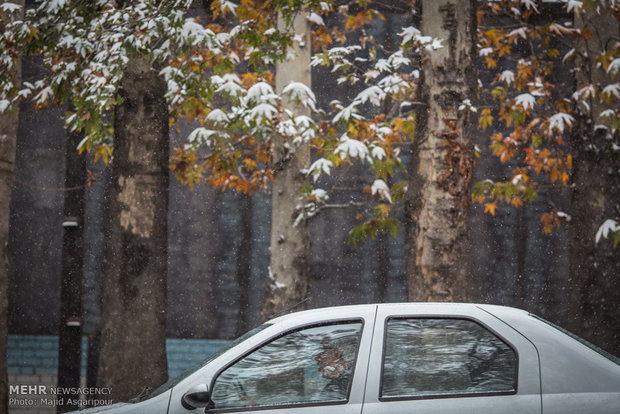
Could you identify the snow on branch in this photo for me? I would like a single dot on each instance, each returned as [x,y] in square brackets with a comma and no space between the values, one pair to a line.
[609,226]
[526,100]
[318,167]
[298,92]
[381,189]
[352,148]
[559,121]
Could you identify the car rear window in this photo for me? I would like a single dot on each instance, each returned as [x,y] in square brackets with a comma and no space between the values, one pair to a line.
[430,357]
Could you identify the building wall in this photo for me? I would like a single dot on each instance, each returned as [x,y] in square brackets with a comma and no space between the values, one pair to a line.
[33,360]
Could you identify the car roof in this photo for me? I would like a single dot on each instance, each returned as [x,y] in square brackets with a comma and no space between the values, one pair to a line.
[562,358]
[440,307]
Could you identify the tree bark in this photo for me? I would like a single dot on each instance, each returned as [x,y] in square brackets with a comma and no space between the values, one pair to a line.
[594,269]
[437,212]
[8,139]
[290,245]
[133,334]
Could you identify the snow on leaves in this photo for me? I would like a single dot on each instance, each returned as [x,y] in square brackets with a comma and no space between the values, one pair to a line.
[300,94]
[559,121]
[535,119]
[608,227]
[526,101]
[95,42]
[381,189]
[218,77]
[352,148]
[319,167]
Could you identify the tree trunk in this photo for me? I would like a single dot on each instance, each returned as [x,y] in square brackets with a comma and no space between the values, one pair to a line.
[8,139]
[70,329]
[440,174]
[133,334]
[290,245]
[594,269]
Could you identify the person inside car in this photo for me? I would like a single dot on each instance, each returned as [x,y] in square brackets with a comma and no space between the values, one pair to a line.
[332,365]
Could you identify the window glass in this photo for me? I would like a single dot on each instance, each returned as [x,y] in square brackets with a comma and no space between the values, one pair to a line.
[305,366]
[445,356]
[187,372]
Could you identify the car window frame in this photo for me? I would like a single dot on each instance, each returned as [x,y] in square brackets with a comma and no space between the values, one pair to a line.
[382,398]
[297,328]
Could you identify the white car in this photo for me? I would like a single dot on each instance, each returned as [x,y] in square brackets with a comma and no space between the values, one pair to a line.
[396,358]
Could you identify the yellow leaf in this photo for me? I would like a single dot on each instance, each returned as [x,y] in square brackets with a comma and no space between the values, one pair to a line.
[490,208]
[249,163]
[517,201]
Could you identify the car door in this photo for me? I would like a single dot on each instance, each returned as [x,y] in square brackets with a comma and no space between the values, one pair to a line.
[301,366]
[455,359]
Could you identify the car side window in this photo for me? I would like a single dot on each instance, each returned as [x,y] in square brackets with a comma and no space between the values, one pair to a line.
[305,366]
[432,356]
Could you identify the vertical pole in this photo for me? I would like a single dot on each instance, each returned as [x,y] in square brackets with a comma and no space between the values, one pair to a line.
[70,330]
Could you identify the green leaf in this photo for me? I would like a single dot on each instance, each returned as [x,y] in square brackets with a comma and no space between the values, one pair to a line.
[357,234]
[498,93]
[518,117]
[530,194]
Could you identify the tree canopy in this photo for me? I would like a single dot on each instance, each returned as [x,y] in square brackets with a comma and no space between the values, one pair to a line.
[219,74]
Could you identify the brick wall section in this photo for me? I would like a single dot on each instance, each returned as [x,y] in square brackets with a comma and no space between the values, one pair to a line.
[36,354]
[185,353]
[33,360]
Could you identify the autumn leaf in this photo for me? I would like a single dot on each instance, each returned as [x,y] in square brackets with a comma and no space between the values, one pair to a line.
[486,119]
[249,163]
[490,208]
[517,201]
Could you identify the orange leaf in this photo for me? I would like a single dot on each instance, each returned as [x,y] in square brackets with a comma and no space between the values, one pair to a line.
[517,201]
[490,208]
